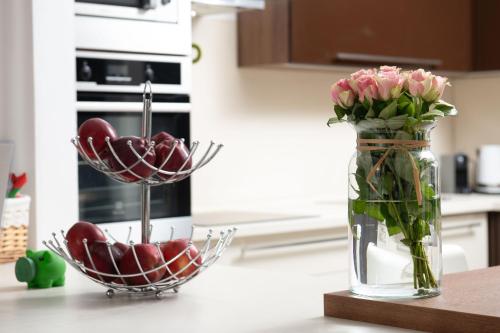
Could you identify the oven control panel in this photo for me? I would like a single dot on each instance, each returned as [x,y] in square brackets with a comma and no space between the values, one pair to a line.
[115,81]
[126,72]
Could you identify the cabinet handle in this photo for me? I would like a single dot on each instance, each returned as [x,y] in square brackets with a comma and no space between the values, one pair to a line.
[361,58]
[271,246]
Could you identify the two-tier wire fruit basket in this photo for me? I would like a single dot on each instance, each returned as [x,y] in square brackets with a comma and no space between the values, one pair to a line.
[210,250]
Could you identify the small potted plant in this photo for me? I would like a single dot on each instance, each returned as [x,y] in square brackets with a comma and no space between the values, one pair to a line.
[14,221]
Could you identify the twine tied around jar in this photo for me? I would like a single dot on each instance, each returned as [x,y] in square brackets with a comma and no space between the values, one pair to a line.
[391,145]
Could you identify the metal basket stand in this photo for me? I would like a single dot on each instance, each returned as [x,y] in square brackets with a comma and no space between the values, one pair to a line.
[209,251]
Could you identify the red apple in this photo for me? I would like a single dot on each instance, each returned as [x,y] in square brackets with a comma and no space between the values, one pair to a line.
[102,259]
[122,246]
[175,162]
[171,249]
[98,129]
[162,136]
[77,233]
[149,258]
[128,158]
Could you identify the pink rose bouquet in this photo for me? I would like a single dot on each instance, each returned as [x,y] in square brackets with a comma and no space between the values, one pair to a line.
[388,92]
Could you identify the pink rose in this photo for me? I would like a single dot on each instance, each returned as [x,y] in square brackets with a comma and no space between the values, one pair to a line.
[389,82]
[362,72]
[426,85]
[367,88]
[389,69]
[437,88]
[342,94]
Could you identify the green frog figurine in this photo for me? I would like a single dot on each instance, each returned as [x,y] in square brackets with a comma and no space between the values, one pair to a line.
[41,269]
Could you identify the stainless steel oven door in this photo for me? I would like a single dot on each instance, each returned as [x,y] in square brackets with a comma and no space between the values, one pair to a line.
[115,206]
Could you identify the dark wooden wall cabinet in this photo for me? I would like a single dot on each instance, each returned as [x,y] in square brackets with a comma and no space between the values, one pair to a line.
[446,34]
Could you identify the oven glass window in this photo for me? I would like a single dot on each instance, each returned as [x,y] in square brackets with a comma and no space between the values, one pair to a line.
[103,200]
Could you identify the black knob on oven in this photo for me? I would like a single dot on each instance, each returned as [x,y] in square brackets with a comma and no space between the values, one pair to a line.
[149,74]
[85,72]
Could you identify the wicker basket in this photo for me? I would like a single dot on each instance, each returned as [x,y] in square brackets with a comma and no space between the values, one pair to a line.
[14,229]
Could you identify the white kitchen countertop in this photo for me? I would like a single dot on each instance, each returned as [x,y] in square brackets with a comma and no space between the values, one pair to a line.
[328,214]
[222,299]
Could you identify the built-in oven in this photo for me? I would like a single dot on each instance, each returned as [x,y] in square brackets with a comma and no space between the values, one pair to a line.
[110,86]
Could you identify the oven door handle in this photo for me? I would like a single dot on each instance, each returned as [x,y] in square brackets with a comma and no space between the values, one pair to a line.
[130,107]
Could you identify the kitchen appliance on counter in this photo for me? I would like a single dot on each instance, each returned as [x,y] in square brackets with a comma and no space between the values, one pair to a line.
[455,173]
[488,169]
[109,87]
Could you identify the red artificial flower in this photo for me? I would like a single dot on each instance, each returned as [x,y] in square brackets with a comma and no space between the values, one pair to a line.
[19,181]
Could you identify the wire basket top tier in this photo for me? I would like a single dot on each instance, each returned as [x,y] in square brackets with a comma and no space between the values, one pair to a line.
[131,165]
[149,174]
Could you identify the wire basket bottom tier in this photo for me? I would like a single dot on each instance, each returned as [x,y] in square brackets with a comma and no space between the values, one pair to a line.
[171,279]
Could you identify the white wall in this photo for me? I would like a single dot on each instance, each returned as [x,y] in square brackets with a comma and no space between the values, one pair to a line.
[477,98]
[273,122]
[37,95]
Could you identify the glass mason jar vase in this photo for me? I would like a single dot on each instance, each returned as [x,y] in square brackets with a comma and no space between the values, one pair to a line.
[394,213]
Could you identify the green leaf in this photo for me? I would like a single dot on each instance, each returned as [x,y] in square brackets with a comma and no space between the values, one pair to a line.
[359,111]
[339,111]
[378,106]
[420,229]
[403,166]
[390,221]
[432,114]
[371,123]
[428,191]
[403,101]
[410,110]
[387,183]
[411,122]
[358,206]
[413,209]
[389,111]
[364,161]
[364,190]
[402,135]
[425,107]
[366,104]
[370,114]
[396,122]
[447,108]
[334,120]
[407,242]
[373,211]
